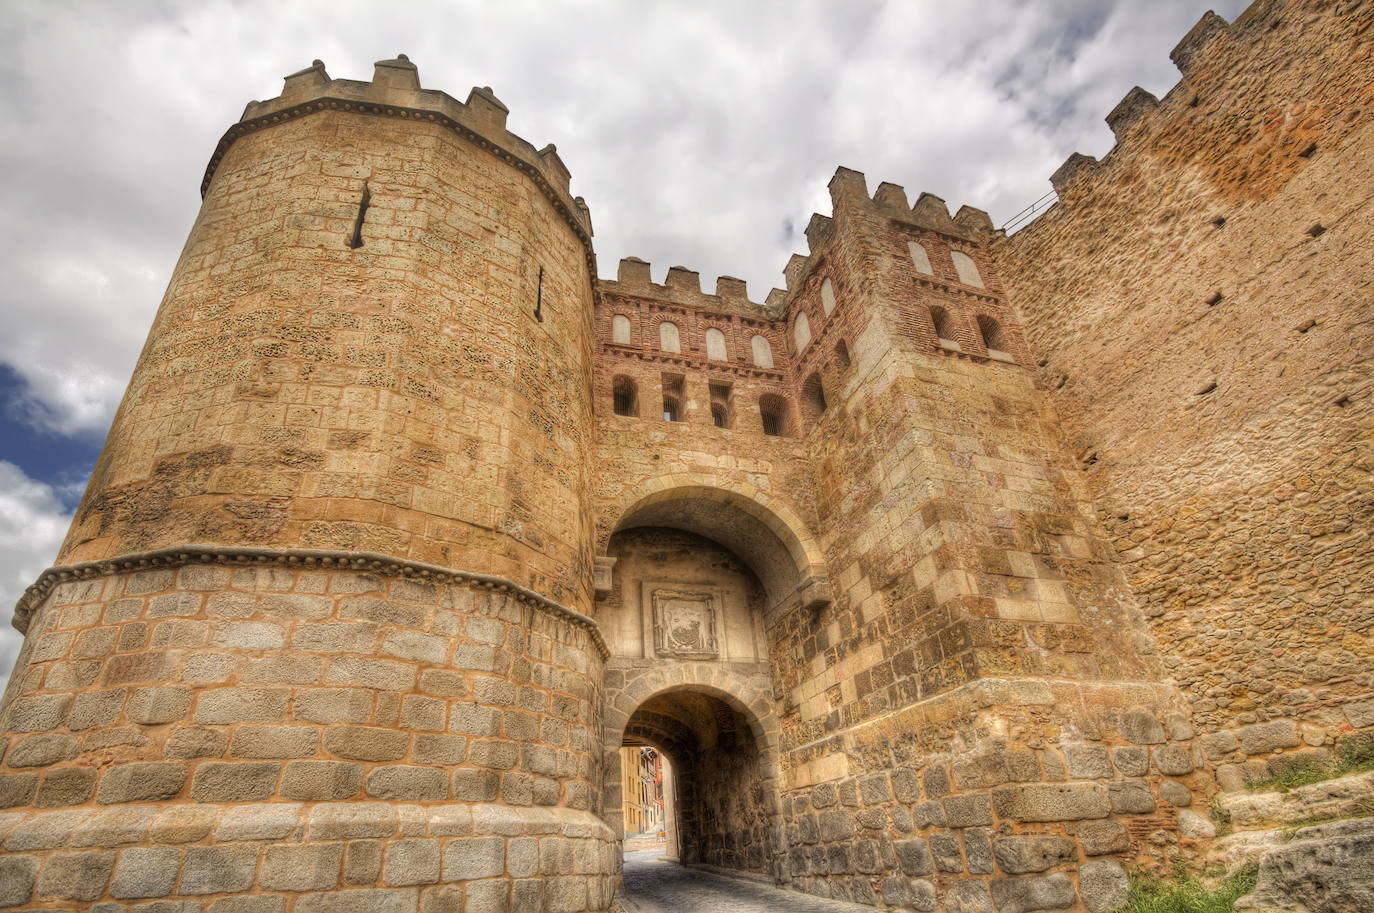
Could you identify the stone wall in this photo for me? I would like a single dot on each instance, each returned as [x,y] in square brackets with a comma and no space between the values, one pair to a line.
[1005,794]
[1210,275]
[401,396]
[264,723]
[319,636]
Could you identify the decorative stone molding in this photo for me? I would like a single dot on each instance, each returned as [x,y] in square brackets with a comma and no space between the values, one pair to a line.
[296,559]
[684,619]
[602,568]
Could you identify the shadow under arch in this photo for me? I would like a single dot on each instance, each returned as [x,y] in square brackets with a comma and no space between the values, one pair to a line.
[643,712]
[748,521]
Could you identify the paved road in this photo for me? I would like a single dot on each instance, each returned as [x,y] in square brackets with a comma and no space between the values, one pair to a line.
[655,885]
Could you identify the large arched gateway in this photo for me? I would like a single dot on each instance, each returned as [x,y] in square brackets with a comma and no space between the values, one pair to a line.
[691,575]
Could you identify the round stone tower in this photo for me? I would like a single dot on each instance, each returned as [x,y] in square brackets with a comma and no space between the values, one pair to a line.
[318,629]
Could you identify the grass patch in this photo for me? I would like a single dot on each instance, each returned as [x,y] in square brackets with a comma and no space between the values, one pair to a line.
[1353,755]
[1186,893]
[1295,776]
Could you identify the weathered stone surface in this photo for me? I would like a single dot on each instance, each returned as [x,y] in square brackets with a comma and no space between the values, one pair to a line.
[45,832]
[1191,824]
[145,873]
[310,867]
[359,901]
[1101,837]
[969,897]
[1102,884]
[1175,793]
[65,786]
[416,784]
[164,704]
[945,849]
[1263,738]
[914,855]
[231,781]
[141,782]
[218,869]
[274,821]
[17,877]
[311,780]
[42,750]
[1324,869]
[196,743]
[412,862]
[466,858]
[1088,762]
[1131,797]
[274,741]
[358,743]
[184,824]
[17,789]
[1019,855]
[1173,760]
[1043,802]
[1033,892]
[76,876]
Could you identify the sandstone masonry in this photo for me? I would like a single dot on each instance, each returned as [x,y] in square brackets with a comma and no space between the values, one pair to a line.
[959,574]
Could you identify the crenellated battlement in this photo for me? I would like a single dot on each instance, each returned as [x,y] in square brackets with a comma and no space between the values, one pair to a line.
[682,286]
[395,91]
[1210,57]
[849,196]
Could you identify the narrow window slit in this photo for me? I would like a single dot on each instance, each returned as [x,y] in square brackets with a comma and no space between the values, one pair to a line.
[539,297]
[1310,151]
[356,241]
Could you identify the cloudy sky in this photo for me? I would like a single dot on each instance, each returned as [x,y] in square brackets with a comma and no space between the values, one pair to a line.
[700,133]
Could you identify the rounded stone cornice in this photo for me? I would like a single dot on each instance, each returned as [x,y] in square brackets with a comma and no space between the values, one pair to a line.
[295,559]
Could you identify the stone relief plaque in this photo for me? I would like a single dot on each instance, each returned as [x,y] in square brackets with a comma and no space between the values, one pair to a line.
[684,620]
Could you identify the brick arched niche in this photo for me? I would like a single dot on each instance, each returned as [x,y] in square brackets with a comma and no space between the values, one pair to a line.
[757,527]
[719,730]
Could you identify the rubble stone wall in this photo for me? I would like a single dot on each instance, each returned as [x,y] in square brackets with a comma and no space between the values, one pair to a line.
[1209,276]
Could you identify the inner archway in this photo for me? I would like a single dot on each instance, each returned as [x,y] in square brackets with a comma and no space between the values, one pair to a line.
[720,799]
[757,527]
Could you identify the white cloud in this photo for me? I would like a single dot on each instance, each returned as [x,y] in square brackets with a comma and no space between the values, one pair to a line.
[32,524]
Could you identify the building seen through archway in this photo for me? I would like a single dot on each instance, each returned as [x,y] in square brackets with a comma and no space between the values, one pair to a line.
[645,783]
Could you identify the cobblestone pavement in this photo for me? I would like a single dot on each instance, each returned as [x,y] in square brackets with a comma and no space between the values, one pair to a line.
[655,885]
